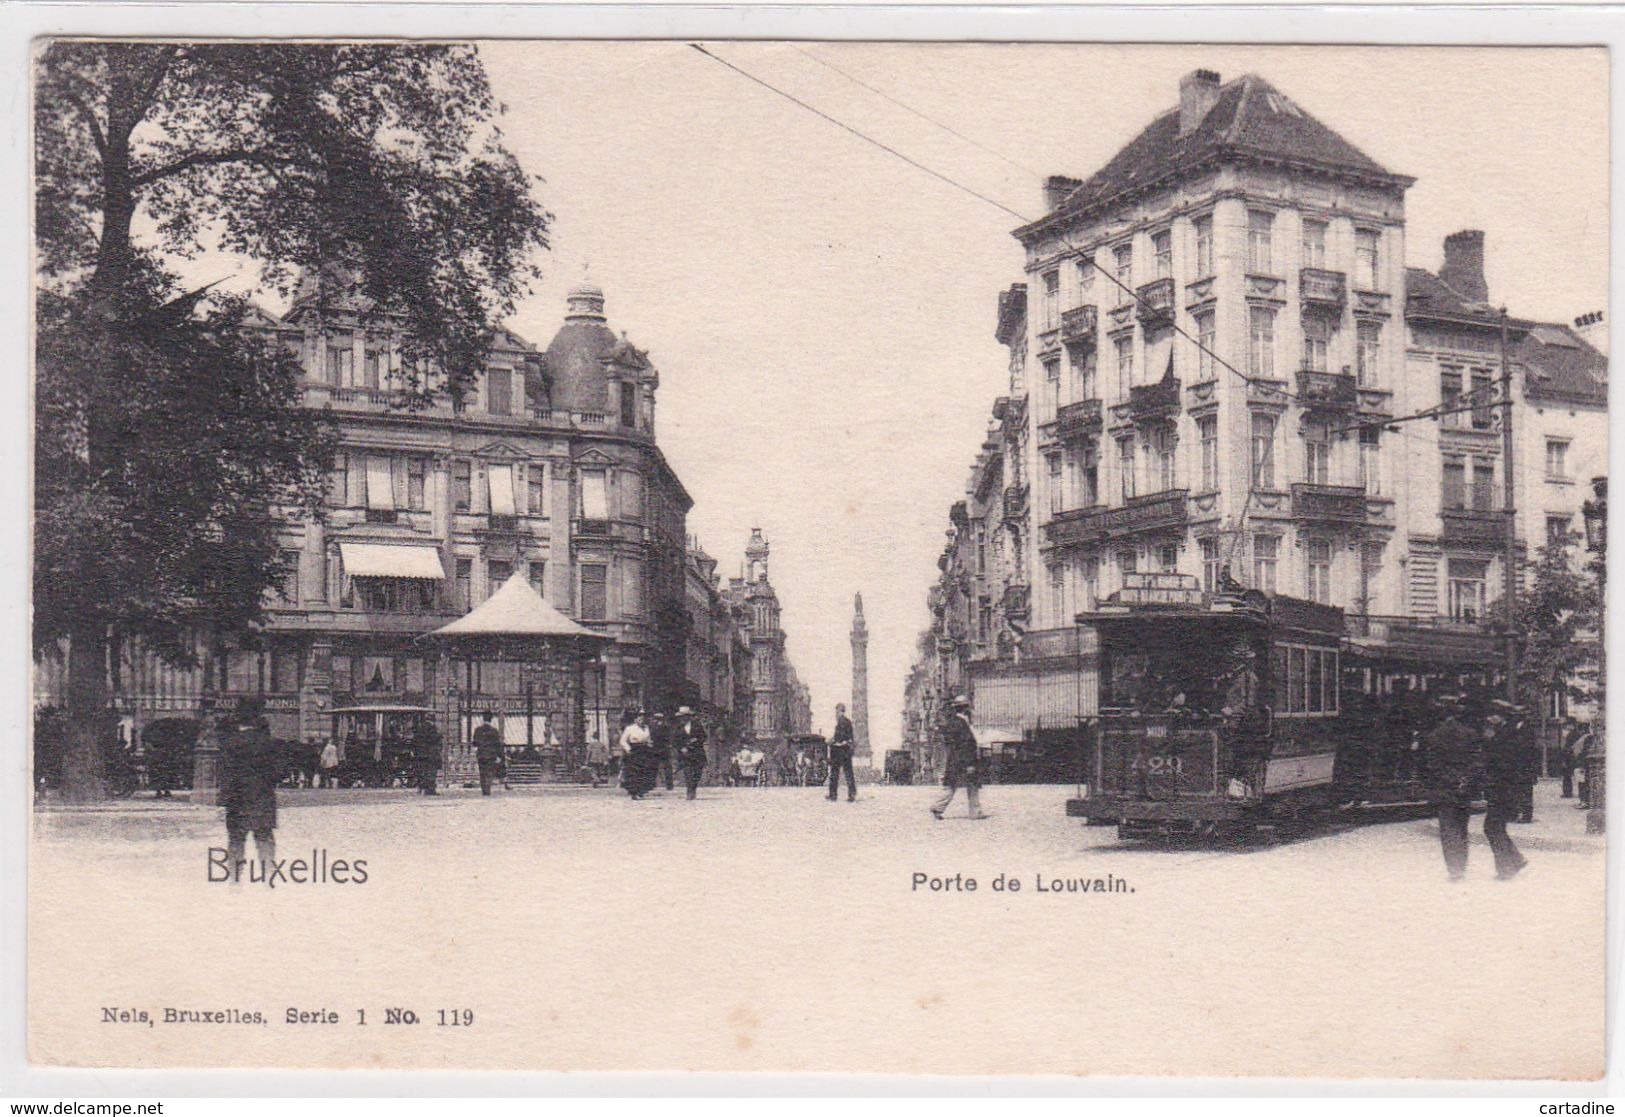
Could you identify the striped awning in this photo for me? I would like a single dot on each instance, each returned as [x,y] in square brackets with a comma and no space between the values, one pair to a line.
[389,560]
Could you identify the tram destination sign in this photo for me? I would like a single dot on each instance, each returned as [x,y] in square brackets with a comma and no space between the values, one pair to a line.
[1160,589]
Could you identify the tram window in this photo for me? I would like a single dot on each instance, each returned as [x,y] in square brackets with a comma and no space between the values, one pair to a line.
[1331,680]
[1315,696]
[1298,670]
[1279,685]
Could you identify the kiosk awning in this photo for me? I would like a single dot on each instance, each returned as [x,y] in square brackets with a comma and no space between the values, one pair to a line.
[388,560]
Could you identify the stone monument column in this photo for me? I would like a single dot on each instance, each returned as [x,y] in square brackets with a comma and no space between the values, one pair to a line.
[861,756]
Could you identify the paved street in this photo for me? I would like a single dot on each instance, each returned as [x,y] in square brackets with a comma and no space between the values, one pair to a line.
[797,909]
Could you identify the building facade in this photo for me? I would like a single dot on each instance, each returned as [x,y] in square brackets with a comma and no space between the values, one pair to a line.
[780,706]
[547,467]
[1212,332]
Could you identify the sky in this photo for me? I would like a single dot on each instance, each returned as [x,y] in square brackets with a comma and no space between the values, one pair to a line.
[822,313]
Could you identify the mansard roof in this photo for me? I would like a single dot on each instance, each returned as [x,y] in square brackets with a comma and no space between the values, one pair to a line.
[1250,120]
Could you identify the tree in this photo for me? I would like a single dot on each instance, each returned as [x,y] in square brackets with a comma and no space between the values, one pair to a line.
[1560,618]
[170,438]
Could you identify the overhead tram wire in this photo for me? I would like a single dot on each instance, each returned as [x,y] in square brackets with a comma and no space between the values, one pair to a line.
[1134,295]
[952,131]
[1275,393]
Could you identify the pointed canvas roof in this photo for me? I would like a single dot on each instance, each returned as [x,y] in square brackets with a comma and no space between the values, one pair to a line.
[516,609]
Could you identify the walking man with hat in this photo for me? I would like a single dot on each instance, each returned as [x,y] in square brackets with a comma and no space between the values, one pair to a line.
[691,752]
[1455,775]
[249,775]
[487,751]
[962,767]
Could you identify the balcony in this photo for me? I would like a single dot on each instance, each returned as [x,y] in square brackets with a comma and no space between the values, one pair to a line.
[1015,503]
[1332,504]
[1321,289]
[594,527]
[1017,603]
[1155,304]
[1157,512]
[382,516]
[1078,325]
[1080,418]
[503,525]
[1479,527]
[1154,401]
[1327,391]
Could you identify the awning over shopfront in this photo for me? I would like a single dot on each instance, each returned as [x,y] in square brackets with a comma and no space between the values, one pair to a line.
[516,610]
[390,560]
[996,737]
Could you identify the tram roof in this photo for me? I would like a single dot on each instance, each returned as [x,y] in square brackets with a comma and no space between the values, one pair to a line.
[1423,642]
[383,709]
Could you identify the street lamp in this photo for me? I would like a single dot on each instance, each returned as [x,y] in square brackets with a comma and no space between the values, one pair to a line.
[1595,513]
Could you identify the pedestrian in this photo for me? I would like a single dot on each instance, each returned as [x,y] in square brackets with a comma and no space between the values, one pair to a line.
[1455,775]
[248,780]
[1527,749]
[962,768]
[1565,760]
[426,751]
[638,762]
[1584,741]
[329,764]
[803,768]
[840,757]
[660,742]
[691,752]
[487,751]
[1505,778]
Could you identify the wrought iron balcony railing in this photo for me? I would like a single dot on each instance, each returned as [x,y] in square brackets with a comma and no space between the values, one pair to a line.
[1155,512]
[1473,525]
[1155,304]
[1338,504]
[1082,417]
[1078,325]
[1154,401]
[1331,391]
[1318,287]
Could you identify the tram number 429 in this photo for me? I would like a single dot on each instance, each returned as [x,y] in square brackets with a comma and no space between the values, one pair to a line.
[1160,765]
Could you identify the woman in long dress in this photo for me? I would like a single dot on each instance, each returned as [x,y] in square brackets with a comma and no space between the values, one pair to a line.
[638,761]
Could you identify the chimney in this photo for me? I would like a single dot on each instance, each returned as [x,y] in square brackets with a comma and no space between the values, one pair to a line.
[1464,265]
[1198,91]
[1056,188]
[1592,331]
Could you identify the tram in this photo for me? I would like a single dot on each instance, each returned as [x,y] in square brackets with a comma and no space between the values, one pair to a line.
[1223,712]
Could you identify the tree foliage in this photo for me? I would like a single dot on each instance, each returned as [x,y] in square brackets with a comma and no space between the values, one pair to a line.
[170,440]
[1560,617]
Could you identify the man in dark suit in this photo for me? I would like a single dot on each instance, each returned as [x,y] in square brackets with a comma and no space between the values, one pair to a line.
[1505,780]
[487,751]
[691,752]
[840,757]
[963,767]
[251,768]
[660,741]
[426,752]
[1455,777]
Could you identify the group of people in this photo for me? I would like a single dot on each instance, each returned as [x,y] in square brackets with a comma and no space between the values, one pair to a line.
[1488,753]
[650,747]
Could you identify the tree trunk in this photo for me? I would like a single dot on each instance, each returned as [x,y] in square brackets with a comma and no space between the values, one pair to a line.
[84,768]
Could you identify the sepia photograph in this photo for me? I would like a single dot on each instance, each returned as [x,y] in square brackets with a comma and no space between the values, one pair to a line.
[814,557]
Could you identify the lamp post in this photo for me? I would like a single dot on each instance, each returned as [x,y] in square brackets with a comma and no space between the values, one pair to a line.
[1595,513]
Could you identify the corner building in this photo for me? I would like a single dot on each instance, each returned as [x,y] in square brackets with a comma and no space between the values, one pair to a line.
[1278,246]
[547,468]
